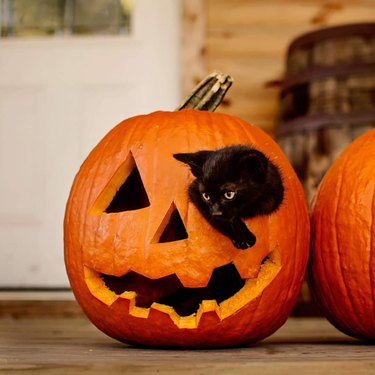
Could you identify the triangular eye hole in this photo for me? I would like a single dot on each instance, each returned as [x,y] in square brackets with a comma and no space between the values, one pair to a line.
[124,192]
[131,195]
[172,227]
[175,229]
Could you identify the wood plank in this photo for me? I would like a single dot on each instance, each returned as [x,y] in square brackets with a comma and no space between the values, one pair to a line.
[249,44]
[192,44]
[36,295]
[252,95]
[254,112]
[286,13]
[62,346]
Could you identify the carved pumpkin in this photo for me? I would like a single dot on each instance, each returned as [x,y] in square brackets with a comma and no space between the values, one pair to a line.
[342,267]
[148,269]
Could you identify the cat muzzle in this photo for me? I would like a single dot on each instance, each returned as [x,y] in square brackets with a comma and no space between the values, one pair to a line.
[215,211]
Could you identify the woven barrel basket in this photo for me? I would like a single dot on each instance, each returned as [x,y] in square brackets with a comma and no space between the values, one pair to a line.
[327,97]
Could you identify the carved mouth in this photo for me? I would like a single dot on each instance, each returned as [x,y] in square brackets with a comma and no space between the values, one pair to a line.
[224,283]
[225,293]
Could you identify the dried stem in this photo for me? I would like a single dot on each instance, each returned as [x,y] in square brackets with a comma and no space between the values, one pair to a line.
[209,93]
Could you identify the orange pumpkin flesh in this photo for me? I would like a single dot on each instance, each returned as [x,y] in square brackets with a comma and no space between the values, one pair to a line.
[122,261]
[342,267]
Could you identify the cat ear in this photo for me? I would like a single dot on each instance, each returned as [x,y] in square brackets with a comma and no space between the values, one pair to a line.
[256,163]
[194,160]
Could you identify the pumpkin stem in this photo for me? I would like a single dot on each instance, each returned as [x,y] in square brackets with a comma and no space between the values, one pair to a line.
[209,93]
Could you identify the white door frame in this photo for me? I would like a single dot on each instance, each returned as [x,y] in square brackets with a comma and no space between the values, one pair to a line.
[58,97]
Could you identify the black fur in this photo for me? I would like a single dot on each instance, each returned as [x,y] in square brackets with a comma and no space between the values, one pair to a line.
[242,170]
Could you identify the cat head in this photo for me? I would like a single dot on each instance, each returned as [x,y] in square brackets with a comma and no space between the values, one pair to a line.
[225,162]
[227,178]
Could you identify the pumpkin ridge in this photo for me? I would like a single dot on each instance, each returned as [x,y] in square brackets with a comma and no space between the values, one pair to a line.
[372,252]
[337,242]
[318,234]
[245,130]
[251,319]
[88,201]
[335,236]
[288,191]
[324,262]
[299,236]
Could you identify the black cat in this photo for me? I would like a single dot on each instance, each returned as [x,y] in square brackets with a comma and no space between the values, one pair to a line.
[232,183]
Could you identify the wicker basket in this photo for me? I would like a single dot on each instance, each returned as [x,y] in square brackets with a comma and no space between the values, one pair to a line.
[327,98]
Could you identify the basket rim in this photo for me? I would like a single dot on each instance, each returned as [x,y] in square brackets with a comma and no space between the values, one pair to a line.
[337,31]
[324,120]
[319,72]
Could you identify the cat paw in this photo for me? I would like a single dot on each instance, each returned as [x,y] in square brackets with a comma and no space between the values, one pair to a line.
[239,245]
[250,240]
[243,238]
[244,243]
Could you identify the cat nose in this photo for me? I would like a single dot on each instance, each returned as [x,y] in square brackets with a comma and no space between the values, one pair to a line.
[215,211]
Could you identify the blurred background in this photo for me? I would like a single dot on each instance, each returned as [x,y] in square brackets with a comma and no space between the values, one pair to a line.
[72,69]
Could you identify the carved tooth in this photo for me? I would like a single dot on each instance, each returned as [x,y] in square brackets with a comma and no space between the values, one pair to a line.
[100,290]
[105,295]
[209,309]
[129,296]
[187,322]
[139,312]
[208,306]
[158,308]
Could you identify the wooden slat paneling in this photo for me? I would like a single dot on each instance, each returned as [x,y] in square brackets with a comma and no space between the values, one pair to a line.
[193,44]
[249,39]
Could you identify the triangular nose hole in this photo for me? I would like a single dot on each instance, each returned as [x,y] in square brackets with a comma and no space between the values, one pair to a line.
[131,195]
[172,227]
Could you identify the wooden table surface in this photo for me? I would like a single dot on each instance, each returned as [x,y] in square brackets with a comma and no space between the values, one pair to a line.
[71,345]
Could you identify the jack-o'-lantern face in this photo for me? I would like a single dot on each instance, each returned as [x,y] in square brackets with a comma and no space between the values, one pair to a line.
[145,265]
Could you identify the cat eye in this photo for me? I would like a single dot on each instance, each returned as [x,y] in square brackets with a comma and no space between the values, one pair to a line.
[206,197]
[229,195]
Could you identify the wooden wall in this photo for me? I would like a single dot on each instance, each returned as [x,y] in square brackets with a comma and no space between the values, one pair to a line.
[248,39]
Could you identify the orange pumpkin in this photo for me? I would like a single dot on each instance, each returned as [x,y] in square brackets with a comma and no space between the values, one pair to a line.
[140,257]
[342,267]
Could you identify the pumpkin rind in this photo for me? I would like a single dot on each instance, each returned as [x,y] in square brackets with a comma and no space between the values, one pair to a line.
[342,266]
[97,242]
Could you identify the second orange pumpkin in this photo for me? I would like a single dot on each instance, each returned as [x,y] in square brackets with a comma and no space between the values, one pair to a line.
[342,266]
